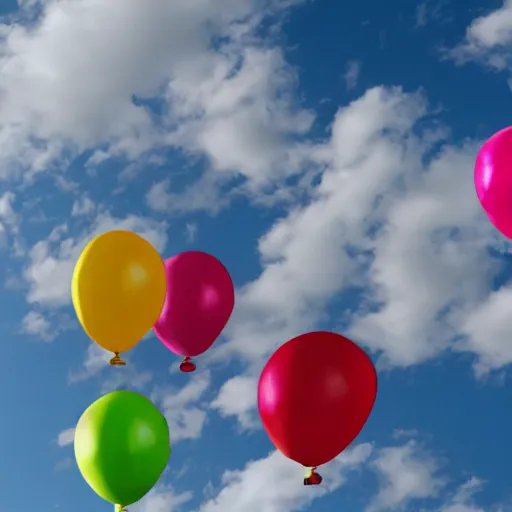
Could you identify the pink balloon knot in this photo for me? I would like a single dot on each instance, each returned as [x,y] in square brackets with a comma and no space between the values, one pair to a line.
[187,365]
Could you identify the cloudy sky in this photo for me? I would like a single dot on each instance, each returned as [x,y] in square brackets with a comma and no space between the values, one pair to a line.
[323,151]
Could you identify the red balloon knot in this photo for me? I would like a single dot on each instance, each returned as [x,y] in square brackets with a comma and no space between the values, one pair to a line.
[187,365]
[313,478]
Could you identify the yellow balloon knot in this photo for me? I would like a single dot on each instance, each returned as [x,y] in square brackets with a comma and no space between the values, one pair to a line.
[117,361]
[121,508]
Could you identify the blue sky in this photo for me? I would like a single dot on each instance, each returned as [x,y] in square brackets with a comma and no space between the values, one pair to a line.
[324,153]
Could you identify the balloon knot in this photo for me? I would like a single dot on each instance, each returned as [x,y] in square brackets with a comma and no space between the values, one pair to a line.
[312,478]
[120,508]
[187,365]
[117,361]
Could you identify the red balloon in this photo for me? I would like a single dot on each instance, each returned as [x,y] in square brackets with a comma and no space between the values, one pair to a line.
[315,395]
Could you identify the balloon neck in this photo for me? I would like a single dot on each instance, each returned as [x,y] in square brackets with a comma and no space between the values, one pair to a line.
[117,361]
[120,508]
[187,365]
[312,478]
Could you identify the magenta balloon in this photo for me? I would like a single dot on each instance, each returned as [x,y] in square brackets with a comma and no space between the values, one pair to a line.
[200,299]
[493,180]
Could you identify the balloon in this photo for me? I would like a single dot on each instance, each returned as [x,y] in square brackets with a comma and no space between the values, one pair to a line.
[493,180]
[199,301]
[122,446]
[118,290]
[314,396]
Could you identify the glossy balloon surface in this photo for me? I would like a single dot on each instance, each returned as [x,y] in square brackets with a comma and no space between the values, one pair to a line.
[200,299]
[493,180]
[122,446]
[315,395]
[118,289]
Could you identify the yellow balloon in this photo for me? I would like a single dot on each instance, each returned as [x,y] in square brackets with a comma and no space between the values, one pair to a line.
[118,290]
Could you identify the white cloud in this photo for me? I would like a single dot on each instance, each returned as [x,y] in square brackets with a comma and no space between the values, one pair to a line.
[235,104]
[238,91]
[191,232]
[66,437]
[304,255]
[158,197]
[462,500]
[162,499]
[35,324]
[183,408]
[352,73]
[82,206]
[238,397]
[52,261]
[274,483]
[487,328]
[237,108]
[406,473]
[203,194]
[74,41]
[247,111]
[10,224]
[96,359]
[7,213]
[128,377]
[428,11]
[46,327]
[63,464]
[487,39]
[434,238]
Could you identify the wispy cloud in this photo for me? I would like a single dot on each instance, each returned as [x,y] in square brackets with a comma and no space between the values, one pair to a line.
[429,11]
[352,74]
[66,437]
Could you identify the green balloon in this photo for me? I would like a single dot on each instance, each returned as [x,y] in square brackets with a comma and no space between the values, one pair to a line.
[122,446]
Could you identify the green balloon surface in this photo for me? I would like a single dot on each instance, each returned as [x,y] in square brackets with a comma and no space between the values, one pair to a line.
[122,446]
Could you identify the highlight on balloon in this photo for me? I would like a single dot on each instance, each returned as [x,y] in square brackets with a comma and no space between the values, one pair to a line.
[121,289]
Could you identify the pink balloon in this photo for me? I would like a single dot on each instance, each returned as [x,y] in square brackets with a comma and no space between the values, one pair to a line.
[200,299]
[493,180]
